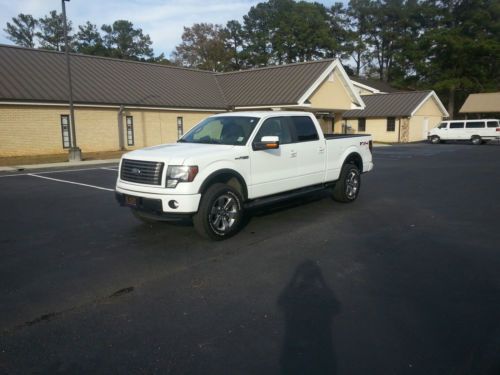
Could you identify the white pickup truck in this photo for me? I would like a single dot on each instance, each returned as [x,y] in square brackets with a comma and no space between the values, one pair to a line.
[233,161]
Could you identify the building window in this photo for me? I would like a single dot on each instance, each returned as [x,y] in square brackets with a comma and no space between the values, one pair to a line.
[361,124]
[65,132]
[391,124]
[180,127]
[130,130]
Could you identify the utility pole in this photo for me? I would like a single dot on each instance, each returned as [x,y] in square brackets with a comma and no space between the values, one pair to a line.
[75,154]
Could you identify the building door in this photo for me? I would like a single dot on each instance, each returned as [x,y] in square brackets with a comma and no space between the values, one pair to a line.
[425,128]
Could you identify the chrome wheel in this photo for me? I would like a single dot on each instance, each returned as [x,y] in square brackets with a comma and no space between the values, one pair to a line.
[352,184]
[223,213]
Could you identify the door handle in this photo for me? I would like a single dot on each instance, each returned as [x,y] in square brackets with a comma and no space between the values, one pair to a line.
[293,154]
[321,150]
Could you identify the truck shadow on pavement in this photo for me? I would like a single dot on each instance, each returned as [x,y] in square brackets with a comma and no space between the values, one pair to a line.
[309,306]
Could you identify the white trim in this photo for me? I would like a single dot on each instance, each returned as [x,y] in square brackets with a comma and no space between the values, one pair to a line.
[365,87]
[112,106]
[346,81]
[436,98]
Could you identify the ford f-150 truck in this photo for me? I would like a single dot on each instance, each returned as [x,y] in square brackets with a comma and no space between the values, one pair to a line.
[233,161]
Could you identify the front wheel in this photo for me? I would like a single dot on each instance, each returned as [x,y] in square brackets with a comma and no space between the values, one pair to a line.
[435,139]
[346,189]
[220,213]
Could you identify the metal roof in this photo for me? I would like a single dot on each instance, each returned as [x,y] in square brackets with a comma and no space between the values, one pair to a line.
[398,104]
[374,83]
[276,85]
[40,76]
[482,103]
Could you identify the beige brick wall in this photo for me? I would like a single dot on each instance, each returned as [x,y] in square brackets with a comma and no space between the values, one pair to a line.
[36,130]
[377,127]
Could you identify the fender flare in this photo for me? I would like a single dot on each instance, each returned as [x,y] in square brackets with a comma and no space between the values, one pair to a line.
[226,171]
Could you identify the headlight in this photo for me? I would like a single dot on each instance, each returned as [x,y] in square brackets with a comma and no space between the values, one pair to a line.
[180,173]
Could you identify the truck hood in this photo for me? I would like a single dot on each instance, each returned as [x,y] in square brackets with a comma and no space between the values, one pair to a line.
[177,153]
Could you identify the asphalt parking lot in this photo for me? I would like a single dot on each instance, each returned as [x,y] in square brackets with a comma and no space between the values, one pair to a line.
[404,281]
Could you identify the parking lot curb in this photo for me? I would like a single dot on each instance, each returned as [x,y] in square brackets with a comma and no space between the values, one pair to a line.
[66,164]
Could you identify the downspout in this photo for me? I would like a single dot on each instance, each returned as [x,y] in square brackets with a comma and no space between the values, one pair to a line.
[121,141]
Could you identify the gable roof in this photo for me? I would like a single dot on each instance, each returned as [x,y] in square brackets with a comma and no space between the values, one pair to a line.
[482,103]
[275,85]
[373,85]
[398,104]
[36,75]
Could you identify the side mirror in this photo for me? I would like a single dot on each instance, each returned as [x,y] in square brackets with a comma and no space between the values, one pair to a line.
[267,143]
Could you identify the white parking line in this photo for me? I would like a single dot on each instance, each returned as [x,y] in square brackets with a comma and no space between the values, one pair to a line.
[69,182]
[58,171]
[110,169]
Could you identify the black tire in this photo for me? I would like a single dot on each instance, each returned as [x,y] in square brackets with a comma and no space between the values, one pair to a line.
[476,140]
[143,217]
[346,189]
[435,140]
[220,213]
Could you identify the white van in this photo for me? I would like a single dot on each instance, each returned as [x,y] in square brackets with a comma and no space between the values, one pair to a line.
[476,131]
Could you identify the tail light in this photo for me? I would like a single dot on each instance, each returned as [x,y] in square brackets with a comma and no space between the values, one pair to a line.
[370,143]
[498,129]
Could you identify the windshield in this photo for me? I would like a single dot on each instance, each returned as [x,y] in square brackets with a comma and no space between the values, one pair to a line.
[224,130]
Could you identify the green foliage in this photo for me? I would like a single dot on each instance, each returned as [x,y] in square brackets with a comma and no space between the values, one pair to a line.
[125,42]
[22,30]
[204,47]
[51,33]
[285,31]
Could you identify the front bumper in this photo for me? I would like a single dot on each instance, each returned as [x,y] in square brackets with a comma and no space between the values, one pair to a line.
[162,203]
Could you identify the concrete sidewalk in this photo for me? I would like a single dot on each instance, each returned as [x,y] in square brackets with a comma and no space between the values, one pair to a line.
[66,164]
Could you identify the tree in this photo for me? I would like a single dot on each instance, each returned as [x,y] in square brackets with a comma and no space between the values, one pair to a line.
[22,30]
[234,44]
[204,47]
[357,27]
[463,49]
[125,42]
[51,34]
[285,31]
[88,40]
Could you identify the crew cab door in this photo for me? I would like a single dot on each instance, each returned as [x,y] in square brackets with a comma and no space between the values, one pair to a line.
[275,170]
[311,151]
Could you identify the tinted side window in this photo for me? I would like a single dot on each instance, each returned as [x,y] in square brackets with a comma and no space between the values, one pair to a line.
[456,125]
[361,124]
[304,128]
[275,126]
[493,124]
[391,124]
[474,124]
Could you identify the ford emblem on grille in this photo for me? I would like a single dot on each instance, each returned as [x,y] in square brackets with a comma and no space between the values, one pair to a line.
[136,171]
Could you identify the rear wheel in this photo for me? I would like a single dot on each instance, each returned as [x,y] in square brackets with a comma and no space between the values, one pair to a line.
[435,139]
[220,213]
[476,140]
[346,189]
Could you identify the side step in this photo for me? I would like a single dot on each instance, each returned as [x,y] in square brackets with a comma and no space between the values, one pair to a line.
[285,196]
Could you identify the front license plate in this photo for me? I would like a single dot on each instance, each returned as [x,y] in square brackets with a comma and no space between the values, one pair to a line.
[130,201]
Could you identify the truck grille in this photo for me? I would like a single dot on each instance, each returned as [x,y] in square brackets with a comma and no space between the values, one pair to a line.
[142,172]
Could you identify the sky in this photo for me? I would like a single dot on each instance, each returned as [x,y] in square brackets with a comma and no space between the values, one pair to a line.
[163,20]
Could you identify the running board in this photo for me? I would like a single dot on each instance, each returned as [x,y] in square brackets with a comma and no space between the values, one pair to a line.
[285,196]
